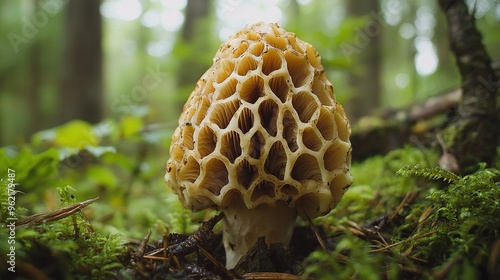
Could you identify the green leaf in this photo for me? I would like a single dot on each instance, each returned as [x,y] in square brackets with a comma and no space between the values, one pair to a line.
[32,170]
[102,175]
[101,150]
[130,125]
[76,134]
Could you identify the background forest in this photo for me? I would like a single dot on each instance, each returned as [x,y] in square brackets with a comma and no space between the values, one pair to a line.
[90,93]
[63,60]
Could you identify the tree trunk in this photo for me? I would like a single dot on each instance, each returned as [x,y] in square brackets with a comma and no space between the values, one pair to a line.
[195,9]
[190,68]
[194,38]
[366,83]
[34,114]
[81,71]
[472,134]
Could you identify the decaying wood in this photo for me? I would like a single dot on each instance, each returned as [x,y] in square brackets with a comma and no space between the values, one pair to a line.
[191,243]
[429,108]
[269,276]
[393,128]
[170,256]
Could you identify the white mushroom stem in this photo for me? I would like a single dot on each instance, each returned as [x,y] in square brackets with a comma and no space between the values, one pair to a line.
[242,227]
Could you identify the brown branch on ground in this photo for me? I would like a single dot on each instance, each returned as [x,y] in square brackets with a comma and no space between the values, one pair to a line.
[393,128]
[171,256]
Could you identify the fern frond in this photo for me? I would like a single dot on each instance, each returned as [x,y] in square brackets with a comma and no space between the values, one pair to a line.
[435,173]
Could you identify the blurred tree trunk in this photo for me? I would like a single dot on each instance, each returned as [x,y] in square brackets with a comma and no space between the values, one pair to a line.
[366,82]
[195,43]
[195,10]
[446,67]
[190,68]
[34,114]
[294,8]
[143,36]
[80,95]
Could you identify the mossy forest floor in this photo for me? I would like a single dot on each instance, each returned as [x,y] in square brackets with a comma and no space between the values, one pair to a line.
[403,218]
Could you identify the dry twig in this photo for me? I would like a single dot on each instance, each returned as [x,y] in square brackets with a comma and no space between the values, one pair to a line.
[54,215]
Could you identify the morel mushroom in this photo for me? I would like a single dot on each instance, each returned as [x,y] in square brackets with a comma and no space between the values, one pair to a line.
[262,139]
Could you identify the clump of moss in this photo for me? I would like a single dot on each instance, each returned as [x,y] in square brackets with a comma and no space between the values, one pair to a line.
[375,195]
[360,263]
[466,219]
[67,248]
[433,223]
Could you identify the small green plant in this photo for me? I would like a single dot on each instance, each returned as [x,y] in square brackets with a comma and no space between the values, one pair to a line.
[67,248]
[104,160]
[466,219]
[437,224]
[362,263]
[435,173]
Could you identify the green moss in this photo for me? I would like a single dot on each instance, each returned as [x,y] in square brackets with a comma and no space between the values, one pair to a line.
[68,247]
[360,262]
[447,227]
[466,219]
[435,173]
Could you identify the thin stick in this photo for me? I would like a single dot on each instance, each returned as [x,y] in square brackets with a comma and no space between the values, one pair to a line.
[54,215]
[216,262]
[316,233]
[402,241]
[408,197]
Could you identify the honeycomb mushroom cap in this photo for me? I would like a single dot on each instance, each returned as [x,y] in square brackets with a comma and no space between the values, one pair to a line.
[263,126]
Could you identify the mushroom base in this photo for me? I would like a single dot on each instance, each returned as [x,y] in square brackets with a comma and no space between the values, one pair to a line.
[242,227]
